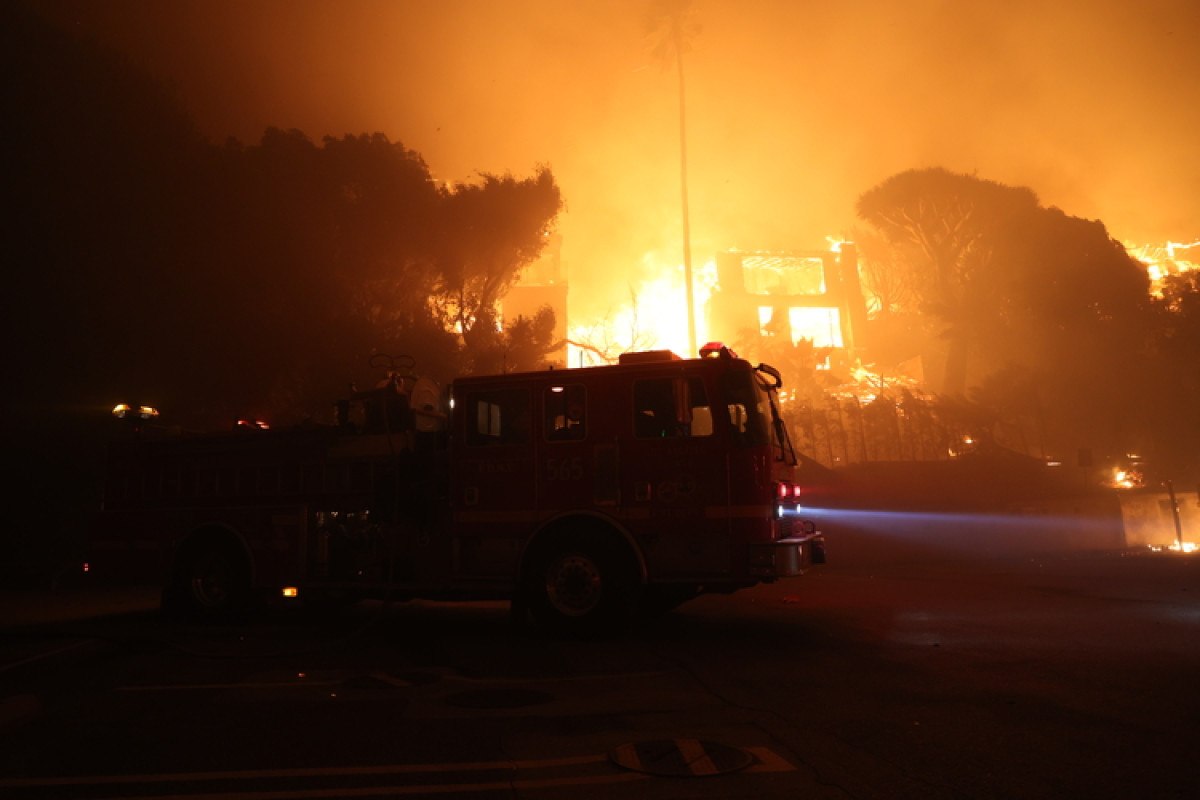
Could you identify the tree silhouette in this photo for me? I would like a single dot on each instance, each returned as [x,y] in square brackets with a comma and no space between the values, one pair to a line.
[338,250]
[488,232]
[1014,285]
[1175,385]
[152,266]
[943,230]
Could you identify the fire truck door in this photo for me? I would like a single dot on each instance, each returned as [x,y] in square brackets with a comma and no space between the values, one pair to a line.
[493,493]
[673,483]
[577,453]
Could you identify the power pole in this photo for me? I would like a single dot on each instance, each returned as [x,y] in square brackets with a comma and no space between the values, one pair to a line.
[687,233]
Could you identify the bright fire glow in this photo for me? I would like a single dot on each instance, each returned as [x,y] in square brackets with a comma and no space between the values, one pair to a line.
[866,385]
[821,326]
[1172,258]
[1125,479]
[655,315]
[655,318]
[1177,547]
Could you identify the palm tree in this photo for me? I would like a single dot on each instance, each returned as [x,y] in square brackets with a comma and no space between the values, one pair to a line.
[672,26]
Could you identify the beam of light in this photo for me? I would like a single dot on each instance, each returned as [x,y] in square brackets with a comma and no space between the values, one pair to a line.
[951,527]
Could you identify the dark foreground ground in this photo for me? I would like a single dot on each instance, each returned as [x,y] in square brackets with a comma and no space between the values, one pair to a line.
[1051,676]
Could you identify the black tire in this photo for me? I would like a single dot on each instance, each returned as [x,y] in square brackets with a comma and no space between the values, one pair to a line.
[210,583]
[581,583]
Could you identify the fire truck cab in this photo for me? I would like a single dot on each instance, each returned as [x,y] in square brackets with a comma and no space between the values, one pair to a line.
[583,496]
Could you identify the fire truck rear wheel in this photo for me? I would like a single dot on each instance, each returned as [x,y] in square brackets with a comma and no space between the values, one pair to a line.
[581,586]
[211,583]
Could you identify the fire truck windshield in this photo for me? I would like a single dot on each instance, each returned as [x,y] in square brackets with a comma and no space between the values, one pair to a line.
[780,439]
[753,404]
[754,413]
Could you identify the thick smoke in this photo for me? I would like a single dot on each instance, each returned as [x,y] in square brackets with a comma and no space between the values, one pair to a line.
[793,108]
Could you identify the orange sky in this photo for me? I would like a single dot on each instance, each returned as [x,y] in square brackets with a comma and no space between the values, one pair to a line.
[795,108]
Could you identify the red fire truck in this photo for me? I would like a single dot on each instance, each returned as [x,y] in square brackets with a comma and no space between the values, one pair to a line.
[581,495]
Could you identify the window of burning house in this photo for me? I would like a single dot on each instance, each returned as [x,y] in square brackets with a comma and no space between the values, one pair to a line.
[671,408]
[565,410]
[784,275]
[821,325]
[497,417]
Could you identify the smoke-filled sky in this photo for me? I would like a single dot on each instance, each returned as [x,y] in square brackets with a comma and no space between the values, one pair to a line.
[794,107]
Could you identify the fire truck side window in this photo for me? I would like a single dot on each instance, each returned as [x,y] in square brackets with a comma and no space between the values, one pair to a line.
[671,408]
[497,417]
[565,413]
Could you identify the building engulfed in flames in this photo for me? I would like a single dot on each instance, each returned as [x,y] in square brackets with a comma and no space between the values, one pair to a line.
[814,295]
[745,297]
[1165,260]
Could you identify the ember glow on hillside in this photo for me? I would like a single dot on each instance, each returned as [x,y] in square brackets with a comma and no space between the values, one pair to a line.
[653,316]
[1162,261]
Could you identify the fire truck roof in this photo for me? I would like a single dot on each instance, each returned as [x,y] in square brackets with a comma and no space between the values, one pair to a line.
[647,357]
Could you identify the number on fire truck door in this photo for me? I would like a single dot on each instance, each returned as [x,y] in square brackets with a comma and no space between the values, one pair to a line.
[568,437]
[564,469]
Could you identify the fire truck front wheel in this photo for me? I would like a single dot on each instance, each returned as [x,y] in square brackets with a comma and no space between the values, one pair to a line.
[211,582]
[584,584]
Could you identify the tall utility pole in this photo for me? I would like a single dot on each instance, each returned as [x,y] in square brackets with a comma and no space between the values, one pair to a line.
[687,232]
[669,23]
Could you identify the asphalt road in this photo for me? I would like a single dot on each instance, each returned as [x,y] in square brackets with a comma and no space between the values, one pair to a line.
[1051,677]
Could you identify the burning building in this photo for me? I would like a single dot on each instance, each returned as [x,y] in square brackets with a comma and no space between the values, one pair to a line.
[801,294]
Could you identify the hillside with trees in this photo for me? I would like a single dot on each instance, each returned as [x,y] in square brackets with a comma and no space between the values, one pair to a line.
[149,265]
[1039,320]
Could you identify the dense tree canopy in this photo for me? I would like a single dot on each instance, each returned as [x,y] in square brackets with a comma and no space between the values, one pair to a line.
[1021,295]
[1176,386]
[233,279]
[332,252]
[149,265]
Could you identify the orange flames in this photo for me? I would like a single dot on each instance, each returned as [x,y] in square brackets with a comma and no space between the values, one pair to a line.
[654,317]
[1167,259]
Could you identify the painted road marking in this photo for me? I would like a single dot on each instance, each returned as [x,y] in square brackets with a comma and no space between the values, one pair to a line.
[398,791]
[304,772]
[765,761]
[394,681]
[681,757]
[48,654]
[196,687]
[696,757]
[295,683]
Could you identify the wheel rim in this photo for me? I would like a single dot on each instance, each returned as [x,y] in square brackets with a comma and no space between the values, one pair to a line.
[212,581]
[574,585]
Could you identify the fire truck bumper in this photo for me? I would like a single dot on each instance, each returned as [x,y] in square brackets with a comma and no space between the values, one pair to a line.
[786,557]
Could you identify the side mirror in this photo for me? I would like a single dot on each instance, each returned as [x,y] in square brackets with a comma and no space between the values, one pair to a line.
[775,375]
